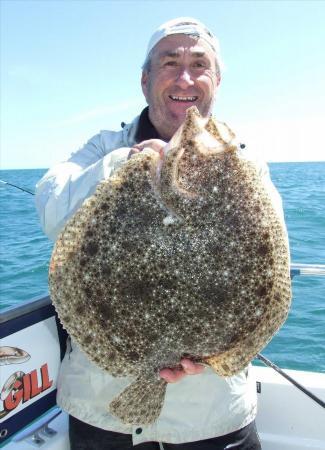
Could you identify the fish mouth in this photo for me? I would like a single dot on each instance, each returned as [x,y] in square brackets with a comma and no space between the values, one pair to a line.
[183,98]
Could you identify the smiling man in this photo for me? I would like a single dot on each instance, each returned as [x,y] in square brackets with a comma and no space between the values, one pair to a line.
[182,68]
[202,411]
[180,71]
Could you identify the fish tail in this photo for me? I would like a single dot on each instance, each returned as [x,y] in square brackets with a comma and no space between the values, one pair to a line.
[141,402]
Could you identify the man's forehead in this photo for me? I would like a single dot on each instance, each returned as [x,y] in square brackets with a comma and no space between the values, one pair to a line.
[175,46]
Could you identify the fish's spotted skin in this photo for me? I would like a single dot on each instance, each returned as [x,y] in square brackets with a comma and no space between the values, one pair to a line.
[183,256]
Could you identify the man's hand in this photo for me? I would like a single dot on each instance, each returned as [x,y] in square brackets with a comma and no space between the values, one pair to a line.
[153,144]
[188,368]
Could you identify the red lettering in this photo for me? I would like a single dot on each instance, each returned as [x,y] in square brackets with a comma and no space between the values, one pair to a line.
[26,387]
[35,389]
[13,399]
[46,382]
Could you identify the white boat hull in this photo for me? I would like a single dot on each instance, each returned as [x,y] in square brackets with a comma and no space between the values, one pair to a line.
[287,419]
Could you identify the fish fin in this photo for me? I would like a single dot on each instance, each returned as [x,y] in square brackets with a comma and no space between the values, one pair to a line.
[141,402]
[244,348]
[220,131]
[226,363]
[234,360]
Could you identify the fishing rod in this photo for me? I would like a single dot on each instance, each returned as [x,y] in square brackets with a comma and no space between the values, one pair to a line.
[269,363]
[17,187]
[297,269]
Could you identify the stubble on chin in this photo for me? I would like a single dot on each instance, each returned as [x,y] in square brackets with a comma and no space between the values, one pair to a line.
[164,121]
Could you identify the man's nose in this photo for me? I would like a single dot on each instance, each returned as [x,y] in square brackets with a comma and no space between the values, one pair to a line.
[184,78]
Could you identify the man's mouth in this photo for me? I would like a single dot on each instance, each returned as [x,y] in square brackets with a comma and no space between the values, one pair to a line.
[177,98]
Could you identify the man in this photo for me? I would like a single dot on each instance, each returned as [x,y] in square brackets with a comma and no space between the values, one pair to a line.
[182,68]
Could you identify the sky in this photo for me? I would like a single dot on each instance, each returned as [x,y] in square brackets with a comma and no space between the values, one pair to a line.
[72,68]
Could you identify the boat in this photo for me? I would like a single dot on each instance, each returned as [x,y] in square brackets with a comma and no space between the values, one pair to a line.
[291,404]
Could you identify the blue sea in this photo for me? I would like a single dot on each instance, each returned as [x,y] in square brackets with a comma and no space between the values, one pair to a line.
[300,344]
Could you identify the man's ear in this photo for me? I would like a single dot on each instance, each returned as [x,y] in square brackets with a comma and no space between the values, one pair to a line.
[144,83]
[218,79]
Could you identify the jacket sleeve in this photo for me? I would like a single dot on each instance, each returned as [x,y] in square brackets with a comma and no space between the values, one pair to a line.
[63,188]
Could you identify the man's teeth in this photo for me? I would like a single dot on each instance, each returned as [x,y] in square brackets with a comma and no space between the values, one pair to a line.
[183,99]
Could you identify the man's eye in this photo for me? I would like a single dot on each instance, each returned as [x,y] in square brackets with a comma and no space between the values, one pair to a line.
[170,63]
[199,64]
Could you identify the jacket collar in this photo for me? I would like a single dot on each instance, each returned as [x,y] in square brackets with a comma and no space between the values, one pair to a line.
[145,129]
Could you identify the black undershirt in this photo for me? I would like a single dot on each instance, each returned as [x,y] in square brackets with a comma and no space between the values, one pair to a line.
[145,129]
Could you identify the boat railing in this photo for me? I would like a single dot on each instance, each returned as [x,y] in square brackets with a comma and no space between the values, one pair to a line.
[307,269]
[26,307]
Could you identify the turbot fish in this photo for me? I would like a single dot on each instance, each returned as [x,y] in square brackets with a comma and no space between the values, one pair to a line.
[176,255]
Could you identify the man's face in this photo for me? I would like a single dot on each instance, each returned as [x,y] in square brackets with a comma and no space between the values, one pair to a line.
[182,74]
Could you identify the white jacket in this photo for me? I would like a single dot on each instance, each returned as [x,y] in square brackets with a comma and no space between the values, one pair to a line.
[195,408]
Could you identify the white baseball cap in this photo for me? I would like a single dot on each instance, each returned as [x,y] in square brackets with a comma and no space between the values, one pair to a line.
[185,25]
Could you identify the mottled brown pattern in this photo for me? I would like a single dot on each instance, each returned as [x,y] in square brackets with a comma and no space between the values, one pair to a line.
[180,257]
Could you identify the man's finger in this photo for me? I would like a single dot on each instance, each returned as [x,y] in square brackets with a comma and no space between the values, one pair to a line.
[154,144]
[176,374]
[132,152]
[191,368]
[172,375]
